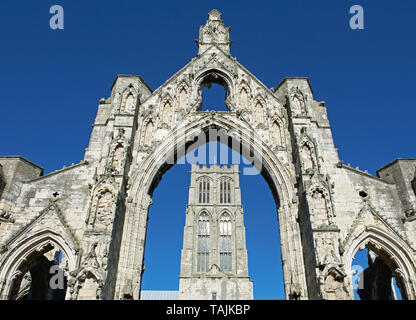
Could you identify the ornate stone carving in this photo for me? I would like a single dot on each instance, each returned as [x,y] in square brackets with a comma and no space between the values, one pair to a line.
[86,282]
[118,152]
[308,153]
[258,113]
[214,32]
[129,100]
[297,101]
[103,204]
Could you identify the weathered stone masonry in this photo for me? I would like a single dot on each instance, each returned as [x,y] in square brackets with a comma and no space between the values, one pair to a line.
[95,212]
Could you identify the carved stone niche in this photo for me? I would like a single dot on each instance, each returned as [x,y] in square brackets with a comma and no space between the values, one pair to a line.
[297,101]
[102,209]
[129,100]
[308,153]
[319,206]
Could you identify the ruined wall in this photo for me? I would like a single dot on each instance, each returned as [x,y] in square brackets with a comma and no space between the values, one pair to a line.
[95,212]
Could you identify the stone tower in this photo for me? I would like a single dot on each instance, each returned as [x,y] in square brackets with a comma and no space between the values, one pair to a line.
[214,256]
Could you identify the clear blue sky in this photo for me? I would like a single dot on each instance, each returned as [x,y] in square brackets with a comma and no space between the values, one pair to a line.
[51,82]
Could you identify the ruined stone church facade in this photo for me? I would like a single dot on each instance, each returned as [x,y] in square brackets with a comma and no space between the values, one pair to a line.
[90,219]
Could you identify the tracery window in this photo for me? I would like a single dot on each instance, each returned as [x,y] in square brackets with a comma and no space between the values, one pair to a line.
[225,190]
[204,190]
[225,243]
[203,243]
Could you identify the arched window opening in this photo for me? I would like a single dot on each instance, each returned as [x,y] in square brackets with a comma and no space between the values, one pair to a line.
[213,98]
[43,280]
[373,278]
[225,190]
[225,243]
[203,243]
[204,190]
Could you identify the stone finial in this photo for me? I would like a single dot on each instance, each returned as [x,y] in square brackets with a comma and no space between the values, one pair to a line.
[214,33]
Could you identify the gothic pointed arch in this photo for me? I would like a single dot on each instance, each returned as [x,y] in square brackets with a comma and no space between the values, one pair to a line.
[375,233]
[214,75]
[168,110]
[225,189]
[143,179]
[244,97]
[24,249]
[182,94]
[118,151]
[277,134]
[297,102]
[204,187]
[393,250]
[55,219]
[258,112]
[129,99]
[148,132]
[321,205]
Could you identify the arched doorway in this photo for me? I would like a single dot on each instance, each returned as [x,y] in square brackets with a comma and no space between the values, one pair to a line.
[37,268]
[373,279]
[389,264]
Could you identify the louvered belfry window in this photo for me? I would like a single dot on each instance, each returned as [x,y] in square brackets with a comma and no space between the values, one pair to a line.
[225,190]
[204,190]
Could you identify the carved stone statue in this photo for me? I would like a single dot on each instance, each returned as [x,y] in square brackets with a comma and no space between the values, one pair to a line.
[306,157]
[129,104]
[319,207]
[297,100]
